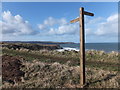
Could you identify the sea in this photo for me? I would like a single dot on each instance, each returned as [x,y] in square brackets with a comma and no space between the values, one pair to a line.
[107,47]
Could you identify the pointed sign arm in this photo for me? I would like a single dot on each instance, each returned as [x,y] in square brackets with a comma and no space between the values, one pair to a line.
[85,13]
[75,20]
[88,13]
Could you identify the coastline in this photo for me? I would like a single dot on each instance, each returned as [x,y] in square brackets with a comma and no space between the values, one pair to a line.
[61,46]
[76,49]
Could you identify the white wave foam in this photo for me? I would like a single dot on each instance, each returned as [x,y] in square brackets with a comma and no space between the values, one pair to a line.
[68,49]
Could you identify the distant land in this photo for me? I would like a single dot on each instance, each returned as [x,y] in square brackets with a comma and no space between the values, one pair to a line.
[51,42]
[40,42]
[105,46]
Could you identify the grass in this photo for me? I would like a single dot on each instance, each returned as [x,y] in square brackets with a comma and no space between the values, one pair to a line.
[53,69]
[94,60]
[56,75]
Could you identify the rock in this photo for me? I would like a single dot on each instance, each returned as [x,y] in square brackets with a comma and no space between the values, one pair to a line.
[101,53]
[29,46]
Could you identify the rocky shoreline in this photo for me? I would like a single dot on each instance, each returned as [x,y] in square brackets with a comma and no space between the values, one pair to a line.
[29,46]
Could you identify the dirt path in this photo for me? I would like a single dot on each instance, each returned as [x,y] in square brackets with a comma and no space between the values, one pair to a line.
[11,69]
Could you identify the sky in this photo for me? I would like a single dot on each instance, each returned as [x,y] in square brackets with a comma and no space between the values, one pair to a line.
[50,21]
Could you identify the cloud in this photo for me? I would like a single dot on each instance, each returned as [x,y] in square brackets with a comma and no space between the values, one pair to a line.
[93,27]
[92,20]
[102,27]
[50,21]
[60,26]
[109,27]
[15,25]
[65,29]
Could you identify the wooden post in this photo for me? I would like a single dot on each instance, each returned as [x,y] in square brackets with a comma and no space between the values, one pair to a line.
[82,43]
[82,48]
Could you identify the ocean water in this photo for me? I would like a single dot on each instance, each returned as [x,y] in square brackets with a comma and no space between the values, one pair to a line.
[107,47]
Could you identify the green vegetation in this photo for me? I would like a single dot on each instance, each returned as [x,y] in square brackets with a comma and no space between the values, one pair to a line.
[56,75]
[94,59]
[54,69]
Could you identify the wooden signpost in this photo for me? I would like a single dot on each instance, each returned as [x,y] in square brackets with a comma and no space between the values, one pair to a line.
[82,43]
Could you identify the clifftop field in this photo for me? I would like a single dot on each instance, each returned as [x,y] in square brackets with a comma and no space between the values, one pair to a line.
[42,66]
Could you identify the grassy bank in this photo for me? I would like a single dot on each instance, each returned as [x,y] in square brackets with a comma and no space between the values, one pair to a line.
[56,75]
[94,59]
[54,69]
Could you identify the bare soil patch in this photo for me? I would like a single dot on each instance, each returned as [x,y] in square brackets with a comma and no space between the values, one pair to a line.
[11,69]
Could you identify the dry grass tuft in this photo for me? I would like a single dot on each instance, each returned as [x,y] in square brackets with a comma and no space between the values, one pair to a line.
[56,75]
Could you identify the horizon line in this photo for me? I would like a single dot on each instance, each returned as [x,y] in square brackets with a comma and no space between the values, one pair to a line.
[57,41]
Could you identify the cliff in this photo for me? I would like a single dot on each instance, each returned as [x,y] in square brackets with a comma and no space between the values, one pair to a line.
[31,46]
